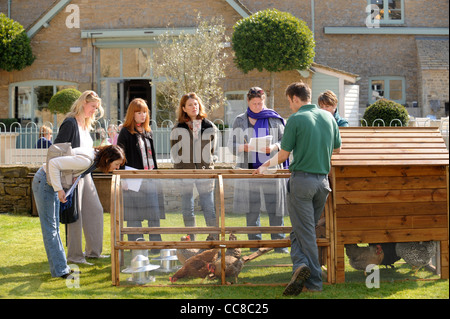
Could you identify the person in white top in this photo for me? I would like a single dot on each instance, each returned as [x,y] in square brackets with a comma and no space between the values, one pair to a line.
[107,159]
[76,129]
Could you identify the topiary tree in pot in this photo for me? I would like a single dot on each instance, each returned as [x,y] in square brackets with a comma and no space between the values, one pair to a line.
[15,48]
[62,101]
[388,111]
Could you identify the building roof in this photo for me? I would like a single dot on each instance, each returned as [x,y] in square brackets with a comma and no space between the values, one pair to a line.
[432,53]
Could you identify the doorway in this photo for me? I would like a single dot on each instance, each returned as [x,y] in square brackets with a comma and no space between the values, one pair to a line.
[136,89]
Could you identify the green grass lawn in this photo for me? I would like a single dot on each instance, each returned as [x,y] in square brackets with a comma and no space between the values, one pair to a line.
[24,274]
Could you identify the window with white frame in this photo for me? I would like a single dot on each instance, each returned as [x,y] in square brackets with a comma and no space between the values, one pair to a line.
[389,87]
[388,11]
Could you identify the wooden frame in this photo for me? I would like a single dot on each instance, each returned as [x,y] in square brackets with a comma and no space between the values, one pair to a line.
[117,229]
[390,184]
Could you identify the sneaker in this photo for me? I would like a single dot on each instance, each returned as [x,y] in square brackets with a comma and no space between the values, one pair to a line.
[297,282]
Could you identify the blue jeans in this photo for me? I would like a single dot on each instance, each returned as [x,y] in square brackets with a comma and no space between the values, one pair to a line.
[307,196]
[270,199]
[205,190]
[47,204]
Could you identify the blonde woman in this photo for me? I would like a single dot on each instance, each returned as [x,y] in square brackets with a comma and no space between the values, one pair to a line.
[76,129]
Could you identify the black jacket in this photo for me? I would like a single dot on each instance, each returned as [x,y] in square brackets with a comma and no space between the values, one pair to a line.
[207,140]
[130,145]
[68,132]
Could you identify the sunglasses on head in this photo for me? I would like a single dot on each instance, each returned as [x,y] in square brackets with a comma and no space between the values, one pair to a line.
[93,94]
[256,92]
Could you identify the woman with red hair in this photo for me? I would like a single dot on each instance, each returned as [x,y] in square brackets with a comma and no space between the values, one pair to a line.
[136,139]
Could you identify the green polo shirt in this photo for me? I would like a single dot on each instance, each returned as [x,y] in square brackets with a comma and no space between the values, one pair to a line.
[311,134]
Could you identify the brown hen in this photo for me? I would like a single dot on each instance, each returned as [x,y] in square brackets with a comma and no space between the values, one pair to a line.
[196,266]
[361,257]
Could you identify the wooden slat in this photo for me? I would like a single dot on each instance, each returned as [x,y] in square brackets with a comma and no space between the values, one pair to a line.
[434,139]
[207,230]
[351,162]
[391,209]
[387,134]
[390,157]
[391,196]
[365,150]
[391,222]
[391,182]
[394,145]
[374,171]
[391,236]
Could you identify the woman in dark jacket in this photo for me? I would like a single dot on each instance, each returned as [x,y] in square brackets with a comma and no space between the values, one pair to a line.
[76,129]
[193,142]
[136,139]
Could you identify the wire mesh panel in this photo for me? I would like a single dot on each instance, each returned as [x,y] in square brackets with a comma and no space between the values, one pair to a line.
[177,227]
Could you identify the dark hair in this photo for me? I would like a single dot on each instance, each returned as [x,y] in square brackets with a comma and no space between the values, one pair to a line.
[107,154]
[256,92]
[300,90]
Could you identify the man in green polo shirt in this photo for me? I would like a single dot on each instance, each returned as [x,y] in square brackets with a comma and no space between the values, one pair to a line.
[311,134]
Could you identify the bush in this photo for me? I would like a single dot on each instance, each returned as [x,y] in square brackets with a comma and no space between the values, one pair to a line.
[15,48]
[7,124]
[62,101]
[272,40]
[386,110]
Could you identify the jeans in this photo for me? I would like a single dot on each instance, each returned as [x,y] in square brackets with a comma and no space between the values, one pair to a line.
[307,196]
[47,204]
[205,190]
[263,190]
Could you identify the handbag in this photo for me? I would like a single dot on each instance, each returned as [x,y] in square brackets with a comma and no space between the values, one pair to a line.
[69,211]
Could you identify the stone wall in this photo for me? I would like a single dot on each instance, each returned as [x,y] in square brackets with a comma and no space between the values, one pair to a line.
[15,188]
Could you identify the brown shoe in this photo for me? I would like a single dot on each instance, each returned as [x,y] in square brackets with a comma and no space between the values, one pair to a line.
[295,286]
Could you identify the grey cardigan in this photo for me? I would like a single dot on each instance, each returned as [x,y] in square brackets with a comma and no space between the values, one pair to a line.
[241,135]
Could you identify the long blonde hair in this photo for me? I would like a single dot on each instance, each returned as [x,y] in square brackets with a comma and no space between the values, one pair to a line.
[77,107]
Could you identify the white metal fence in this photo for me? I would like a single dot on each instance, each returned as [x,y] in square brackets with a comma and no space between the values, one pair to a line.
[18,143]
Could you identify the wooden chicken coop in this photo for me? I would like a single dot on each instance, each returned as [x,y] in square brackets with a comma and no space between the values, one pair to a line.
[390,184]
[224,181]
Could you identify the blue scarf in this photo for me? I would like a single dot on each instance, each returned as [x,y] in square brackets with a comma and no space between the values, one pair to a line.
[262,125]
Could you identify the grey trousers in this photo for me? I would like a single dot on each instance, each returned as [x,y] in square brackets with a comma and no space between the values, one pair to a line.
[90,222]
[306,201]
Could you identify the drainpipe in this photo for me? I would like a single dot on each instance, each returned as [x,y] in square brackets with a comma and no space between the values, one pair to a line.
[9,9]
[312,17]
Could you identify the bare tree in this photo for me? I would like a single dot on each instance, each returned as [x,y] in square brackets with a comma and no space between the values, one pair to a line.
[191,62]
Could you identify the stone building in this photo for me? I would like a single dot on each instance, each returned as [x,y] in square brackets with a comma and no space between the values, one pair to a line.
[399,50]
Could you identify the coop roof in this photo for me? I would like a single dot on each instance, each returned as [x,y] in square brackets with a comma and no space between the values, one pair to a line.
[365,146]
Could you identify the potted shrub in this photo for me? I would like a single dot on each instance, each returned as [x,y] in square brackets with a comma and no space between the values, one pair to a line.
[62,101]
[388,111]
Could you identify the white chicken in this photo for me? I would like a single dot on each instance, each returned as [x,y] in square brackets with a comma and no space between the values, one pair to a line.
[418,253]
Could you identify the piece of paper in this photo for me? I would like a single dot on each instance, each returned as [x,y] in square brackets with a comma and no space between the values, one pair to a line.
[133,183]
[260,144]
[70,191]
